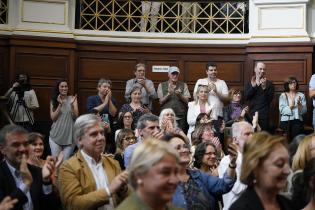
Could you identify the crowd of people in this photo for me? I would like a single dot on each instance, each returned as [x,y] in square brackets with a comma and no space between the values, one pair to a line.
[214,152]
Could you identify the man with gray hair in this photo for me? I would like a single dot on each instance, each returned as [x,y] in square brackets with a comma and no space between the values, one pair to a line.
[89,179]
[241,132]
[148,126]
[174,94]
[30,185]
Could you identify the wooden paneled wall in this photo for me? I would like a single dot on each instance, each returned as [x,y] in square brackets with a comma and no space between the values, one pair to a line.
[83,63]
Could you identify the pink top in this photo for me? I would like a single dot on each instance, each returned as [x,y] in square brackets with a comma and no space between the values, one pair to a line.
[202,109]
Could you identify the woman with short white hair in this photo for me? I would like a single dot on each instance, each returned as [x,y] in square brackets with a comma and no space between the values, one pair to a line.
[152,160]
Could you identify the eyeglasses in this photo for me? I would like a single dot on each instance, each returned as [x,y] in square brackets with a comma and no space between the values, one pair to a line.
[182,146]
[129,139]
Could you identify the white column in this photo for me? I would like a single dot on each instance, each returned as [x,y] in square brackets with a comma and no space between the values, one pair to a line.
[278,21]
[311,19]
[40,18]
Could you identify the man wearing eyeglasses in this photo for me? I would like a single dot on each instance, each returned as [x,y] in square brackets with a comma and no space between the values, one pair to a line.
[174,94]
[218,90]
[148,127]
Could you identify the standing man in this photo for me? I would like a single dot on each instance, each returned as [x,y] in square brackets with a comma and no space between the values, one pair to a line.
[312,96]
[218,90]
[146,85]
[241,132]
[259,93]
[174,94]
[30,185]
[148,127]
[89,179]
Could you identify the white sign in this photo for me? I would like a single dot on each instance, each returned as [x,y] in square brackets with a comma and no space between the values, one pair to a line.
[160,68]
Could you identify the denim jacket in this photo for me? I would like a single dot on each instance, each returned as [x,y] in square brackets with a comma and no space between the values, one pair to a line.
[211,186]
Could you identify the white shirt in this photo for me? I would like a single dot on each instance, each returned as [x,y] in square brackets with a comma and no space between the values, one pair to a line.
[238,188]
[19,111]
[20,184]
[213,99]
[100,178]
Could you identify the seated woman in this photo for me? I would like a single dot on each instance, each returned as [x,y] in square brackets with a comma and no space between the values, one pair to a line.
[265,168]
[153,174]
[199,105]
[304,188]
[167,120]
[206,158]
[198,190]
[304,153]
[206,133]
[125,121]
[36,149]
[135,106]
[125,138]
[292,105]
[203,118]
[235,109]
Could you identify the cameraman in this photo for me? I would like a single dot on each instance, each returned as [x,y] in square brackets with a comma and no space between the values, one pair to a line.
[22,101]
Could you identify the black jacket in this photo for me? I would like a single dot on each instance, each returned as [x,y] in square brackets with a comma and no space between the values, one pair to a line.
[39,199]
[249,200]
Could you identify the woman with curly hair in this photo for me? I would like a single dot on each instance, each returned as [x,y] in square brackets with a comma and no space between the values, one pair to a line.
[206,158]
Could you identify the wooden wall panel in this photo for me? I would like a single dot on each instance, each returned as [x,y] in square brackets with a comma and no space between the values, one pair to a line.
[83,63]
[45,65]
[279,66]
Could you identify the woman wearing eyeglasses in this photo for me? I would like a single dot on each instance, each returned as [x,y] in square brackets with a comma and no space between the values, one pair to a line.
[292,105]
[125,138]
[206,158]
[197,190]
[125,120]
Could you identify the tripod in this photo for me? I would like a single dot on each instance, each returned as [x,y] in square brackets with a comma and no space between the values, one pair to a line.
[20,102]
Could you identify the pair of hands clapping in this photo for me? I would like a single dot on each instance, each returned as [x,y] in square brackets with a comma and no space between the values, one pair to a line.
[49,168]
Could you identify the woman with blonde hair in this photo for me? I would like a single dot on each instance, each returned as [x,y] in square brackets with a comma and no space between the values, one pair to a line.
[265,168]
[305,152]
[199,105]
[152,160]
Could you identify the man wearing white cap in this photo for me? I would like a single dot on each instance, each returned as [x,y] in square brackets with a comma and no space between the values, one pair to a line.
[218,90]
[174,94]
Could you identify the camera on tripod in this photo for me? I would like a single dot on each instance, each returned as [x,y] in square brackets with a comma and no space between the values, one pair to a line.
[19,109]
[21,87]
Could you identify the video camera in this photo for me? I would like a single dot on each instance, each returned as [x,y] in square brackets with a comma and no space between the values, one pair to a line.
[22,87]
